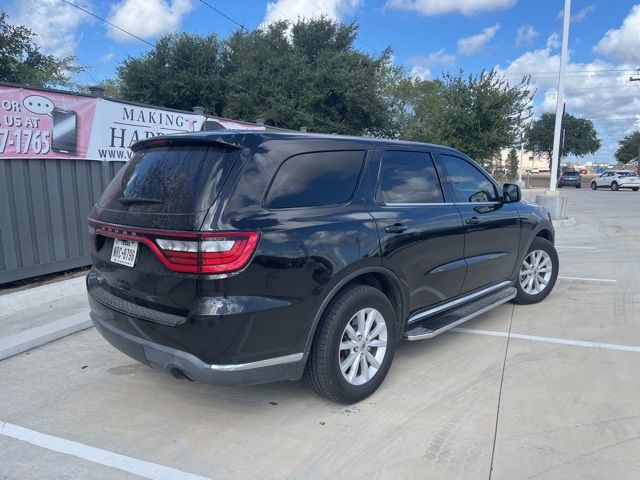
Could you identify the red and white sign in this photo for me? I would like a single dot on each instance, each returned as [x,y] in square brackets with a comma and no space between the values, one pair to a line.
[46,124]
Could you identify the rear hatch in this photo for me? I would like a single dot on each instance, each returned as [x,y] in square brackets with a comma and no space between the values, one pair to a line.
[146,243]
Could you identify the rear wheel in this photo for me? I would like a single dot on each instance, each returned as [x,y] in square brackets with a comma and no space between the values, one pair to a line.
[353,346]
[635,189]
[594,186]
[615,186]
[538,272]
[578,186]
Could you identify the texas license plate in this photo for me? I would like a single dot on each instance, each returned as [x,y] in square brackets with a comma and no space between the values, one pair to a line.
[124,252]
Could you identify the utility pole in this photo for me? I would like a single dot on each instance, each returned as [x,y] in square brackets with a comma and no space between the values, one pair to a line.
[560,101]
[637,79]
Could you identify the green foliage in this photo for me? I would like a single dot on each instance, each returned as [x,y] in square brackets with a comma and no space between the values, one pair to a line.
[512,164]
[22,62]
[580,136]
[182,71]
[628,148]
[479,114]
[306,74]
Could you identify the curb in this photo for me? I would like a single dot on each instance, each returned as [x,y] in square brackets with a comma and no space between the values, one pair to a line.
[35,337]
[565,222]
[32,297]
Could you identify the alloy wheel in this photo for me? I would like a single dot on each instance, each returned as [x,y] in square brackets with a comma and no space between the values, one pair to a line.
[363,346]
[535,272]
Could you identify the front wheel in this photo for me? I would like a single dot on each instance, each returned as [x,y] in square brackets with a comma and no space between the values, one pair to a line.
[615,186]
[353,346]
[594,186]
[538,272]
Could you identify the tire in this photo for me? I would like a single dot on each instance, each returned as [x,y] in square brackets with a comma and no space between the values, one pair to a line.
[614,186]
[578,186]
[323,370]
[594,186]
[527,291]
[635,189]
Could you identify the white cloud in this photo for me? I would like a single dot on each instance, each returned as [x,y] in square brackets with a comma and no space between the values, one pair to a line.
[147,18]
[553,41]
[476,43]
[56,24]
[107,57]
[296,9]
[593,91]
[421,66]
[623,43]
[439,7]
[580,16]
[525,35]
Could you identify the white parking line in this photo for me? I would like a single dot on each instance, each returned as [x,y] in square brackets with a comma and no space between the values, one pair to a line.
[586,279]
[144,469]
[561,341]
[575,247]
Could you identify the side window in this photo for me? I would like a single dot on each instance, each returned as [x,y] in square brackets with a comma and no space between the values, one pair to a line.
[316,179]
[466,182]
[409,177]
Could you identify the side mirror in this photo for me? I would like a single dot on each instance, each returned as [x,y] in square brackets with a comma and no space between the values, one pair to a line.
[511,193]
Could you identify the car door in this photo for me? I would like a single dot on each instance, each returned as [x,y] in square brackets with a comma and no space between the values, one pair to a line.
[421,236]
[492,227]
[604,180]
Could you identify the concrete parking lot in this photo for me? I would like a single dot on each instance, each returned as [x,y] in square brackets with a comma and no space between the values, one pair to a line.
[547,391]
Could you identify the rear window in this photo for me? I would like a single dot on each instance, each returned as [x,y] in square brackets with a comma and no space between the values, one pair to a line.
[570,174]
[179,179]
[316,179]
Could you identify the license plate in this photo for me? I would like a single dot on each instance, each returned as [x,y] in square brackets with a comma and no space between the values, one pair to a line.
[124,252]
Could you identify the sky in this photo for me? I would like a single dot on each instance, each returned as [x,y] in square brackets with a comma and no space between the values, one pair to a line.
[427,37]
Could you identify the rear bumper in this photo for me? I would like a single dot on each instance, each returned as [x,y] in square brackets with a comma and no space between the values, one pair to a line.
[182,347]
[182,364]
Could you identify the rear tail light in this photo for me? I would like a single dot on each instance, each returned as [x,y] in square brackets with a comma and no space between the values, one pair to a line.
[218,252]
[191,252]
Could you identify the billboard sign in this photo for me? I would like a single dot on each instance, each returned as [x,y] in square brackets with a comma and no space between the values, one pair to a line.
[46,124]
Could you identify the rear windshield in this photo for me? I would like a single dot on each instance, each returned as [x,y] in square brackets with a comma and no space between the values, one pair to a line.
[179,179]
[570,174]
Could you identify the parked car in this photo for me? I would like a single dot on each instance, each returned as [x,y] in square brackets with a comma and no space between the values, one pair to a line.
[617,179]
[583,171]
[535,170]
[570,178]
[230,257]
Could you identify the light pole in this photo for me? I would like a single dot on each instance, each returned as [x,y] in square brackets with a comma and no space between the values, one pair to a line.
[560,101]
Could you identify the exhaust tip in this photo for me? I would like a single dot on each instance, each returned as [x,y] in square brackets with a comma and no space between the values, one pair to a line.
[179,374]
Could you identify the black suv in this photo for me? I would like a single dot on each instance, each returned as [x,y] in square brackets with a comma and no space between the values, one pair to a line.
[255,257]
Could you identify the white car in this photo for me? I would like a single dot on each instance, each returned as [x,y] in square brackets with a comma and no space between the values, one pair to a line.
[616,179]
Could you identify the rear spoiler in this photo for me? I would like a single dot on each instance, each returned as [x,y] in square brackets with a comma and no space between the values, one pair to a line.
[169,141]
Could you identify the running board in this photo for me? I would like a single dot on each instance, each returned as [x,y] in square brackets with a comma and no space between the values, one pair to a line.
[430,327]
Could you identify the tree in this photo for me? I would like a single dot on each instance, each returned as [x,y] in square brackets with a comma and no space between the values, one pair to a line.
[580,137]
[629,148]
[182,71]
[22,62]
[512,164]
[307,74]
[479,115]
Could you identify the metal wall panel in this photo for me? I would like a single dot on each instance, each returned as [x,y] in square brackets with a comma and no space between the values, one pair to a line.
[44,204]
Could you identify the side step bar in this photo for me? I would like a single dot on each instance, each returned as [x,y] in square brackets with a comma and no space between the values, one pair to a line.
[432,326]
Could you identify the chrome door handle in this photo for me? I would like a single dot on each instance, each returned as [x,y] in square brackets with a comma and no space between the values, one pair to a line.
[397,228]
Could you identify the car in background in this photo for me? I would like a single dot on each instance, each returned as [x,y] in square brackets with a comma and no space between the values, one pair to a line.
[570,178]
[617,179]
[535,170]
